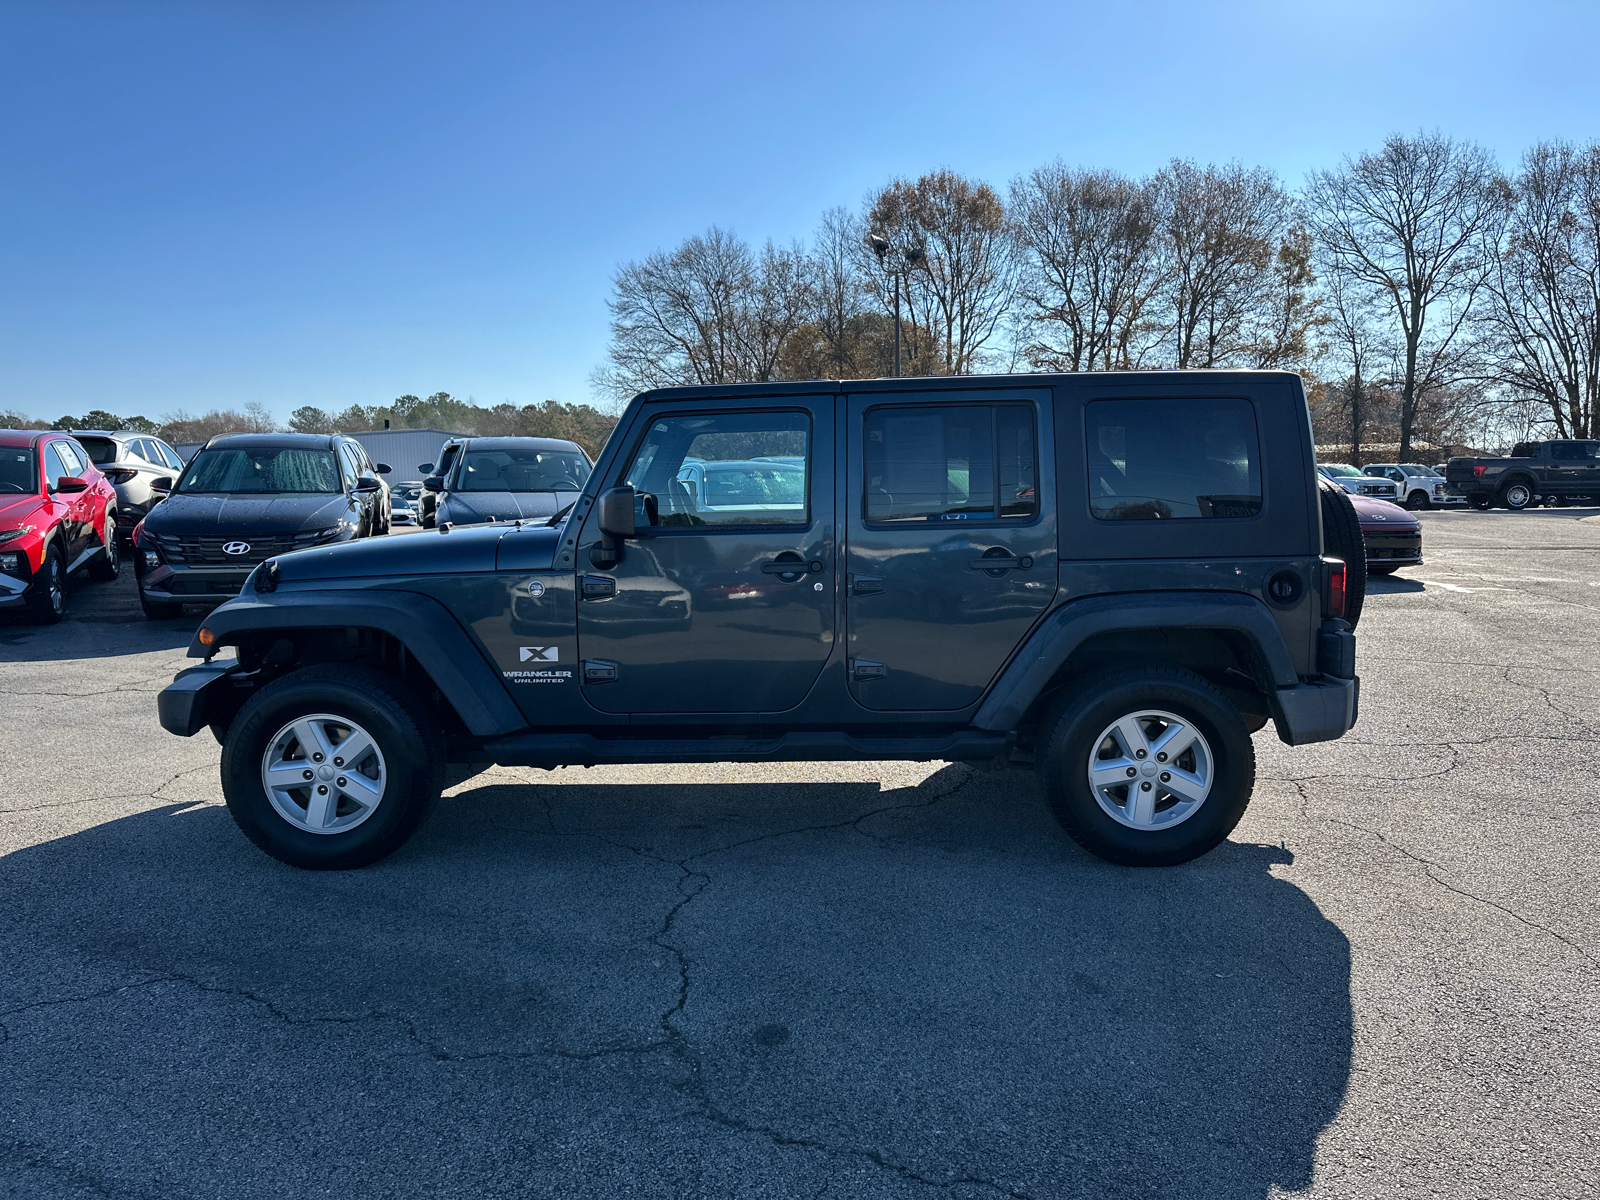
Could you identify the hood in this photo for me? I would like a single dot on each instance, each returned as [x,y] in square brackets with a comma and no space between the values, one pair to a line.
[1382,514]
[15,510]
[459,552]
[471,508]
[202,515]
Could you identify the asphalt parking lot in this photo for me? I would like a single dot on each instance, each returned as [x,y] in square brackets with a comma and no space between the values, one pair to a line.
[841,980]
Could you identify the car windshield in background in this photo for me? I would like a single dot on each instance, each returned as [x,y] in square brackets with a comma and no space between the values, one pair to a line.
[101,450]
[752,484]
[261,469]
[520,469]
[17,472]
[1342,470]
[1419,469]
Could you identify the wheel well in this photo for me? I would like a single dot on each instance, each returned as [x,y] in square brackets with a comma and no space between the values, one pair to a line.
[1224,658]
[268,654]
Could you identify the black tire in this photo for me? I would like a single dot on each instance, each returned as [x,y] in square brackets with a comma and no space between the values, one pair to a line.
[1371,570]
[1068,741]
[1516,495]
[404,731]
[1479,503]
[1341,538]
[1418,501]
[159,610]
[106,568]
[47,601]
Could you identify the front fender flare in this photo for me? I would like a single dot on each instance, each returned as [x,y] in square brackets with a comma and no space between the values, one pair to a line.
[1054,641]
[425,627]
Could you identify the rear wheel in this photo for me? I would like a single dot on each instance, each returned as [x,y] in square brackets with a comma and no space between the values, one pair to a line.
[106,567]
[47,604]
[1148,768]
[1341,538]
[332,767]
[1516,496]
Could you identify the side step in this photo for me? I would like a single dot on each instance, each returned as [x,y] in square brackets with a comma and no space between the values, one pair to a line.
[586,750]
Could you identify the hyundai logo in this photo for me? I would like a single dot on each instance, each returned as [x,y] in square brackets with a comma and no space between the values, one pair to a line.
[236,548]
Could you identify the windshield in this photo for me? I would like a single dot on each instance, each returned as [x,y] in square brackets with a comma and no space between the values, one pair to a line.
[1419,469]
[261,469]
[1343,470]
[17,472]
[753,483]
[522,469]
[101,450]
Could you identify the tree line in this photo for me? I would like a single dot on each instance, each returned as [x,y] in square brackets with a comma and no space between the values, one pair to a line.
[1427,295]
[581,423]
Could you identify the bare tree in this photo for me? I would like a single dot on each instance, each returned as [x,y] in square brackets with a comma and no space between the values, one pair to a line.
[1356,348]
[1408,223]
[1543,312]
[1219,230]
[964,287]
[1088,267]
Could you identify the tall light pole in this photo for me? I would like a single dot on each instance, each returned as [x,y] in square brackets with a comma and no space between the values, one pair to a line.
[897,266]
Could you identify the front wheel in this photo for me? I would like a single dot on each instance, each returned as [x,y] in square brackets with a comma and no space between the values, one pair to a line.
[47,603]
[332,767]
[1479,503]
[159,610]
[1149,768]
[1372,570]
[1418,501]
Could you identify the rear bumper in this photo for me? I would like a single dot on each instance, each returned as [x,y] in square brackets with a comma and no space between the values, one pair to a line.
[1320,711]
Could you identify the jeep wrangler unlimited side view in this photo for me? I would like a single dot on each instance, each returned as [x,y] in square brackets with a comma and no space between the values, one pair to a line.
[1114,578]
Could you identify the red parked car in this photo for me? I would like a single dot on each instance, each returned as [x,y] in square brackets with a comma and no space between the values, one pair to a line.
[57,513]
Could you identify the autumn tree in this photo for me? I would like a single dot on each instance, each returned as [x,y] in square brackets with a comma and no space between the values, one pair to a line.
[1408,224]
[964,282]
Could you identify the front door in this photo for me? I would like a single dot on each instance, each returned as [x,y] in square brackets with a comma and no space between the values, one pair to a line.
[952,541]
[725,603]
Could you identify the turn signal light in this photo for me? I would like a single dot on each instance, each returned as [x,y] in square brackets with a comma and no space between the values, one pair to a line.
[208,637]
[1336,572]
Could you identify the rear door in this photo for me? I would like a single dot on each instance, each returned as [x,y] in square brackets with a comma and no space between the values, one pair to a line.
[726,603]
[952,541]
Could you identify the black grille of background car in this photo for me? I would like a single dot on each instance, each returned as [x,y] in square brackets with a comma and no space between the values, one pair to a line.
[1377,489]
[209,552]
[1392,545]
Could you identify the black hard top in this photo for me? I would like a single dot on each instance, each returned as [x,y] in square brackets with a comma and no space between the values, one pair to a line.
[307,441]
[928,383]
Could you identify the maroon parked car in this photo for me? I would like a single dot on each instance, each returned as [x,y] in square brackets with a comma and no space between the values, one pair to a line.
[1392,535]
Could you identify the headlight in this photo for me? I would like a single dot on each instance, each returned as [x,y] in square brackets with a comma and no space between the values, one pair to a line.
[11,535]
[11,564]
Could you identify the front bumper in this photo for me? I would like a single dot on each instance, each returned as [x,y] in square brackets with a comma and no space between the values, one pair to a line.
[197,697]
[1389,547]
[192,585]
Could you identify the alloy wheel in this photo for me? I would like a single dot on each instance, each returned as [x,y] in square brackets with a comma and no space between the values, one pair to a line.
[1151,770]
[323,773]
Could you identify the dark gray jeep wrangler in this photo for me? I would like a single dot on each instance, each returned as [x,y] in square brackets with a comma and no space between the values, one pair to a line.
[1112,578]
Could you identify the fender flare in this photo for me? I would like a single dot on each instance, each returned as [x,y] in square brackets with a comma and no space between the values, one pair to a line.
[425,627]
[1054,641]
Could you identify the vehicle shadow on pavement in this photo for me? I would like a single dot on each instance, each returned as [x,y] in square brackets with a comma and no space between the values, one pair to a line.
[1393,585]
[103,620]
[575,989]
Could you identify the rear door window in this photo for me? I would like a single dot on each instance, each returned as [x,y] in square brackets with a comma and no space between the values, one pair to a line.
[939,463]
[1158,459]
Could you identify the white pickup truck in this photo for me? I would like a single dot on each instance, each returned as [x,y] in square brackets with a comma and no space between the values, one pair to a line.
[1357,484]
[1419,486]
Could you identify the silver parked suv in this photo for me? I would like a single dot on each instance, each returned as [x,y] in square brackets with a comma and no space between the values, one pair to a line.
[142,469]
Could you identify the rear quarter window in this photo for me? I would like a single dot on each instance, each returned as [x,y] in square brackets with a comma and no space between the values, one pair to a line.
[1172,460]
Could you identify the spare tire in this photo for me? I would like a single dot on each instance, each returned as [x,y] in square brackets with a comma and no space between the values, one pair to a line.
[1341,538]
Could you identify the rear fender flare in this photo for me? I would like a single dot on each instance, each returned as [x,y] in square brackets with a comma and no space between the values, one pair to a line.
[1055,640]
[426,628]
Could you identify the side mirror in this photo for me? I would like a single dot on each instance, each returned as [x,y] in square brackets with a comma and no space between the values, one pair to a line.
[434,483]
[163,484]
[615,516]
[425,468]
[367,484]
[384,468]
[71,483]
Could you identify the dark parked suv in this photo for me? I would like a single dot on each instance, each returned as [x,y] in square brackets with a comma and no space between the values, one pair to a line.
[1113,579]
[246,497]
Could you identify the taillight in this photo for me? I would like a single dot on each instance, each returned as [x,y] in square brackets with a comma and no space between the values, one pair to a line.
[118,475]
[1477,471]
[1336,575]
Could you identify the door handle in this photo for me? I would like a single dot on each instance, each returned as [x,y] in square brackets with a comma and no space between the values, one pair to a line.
[789,566]
[597,587]
[865,585]
[1000,559]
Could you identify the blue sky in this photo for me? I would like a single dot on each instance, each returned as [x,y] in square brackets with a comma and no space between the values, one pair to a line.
[326,201]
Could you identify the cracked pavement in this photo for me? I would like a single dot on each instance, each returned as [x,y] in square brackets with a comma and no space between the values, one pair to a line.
[864,980]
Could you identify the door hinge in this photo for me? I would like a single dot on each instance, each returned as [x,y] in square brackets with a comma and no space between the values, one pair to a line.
[597,670]
[867,668]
